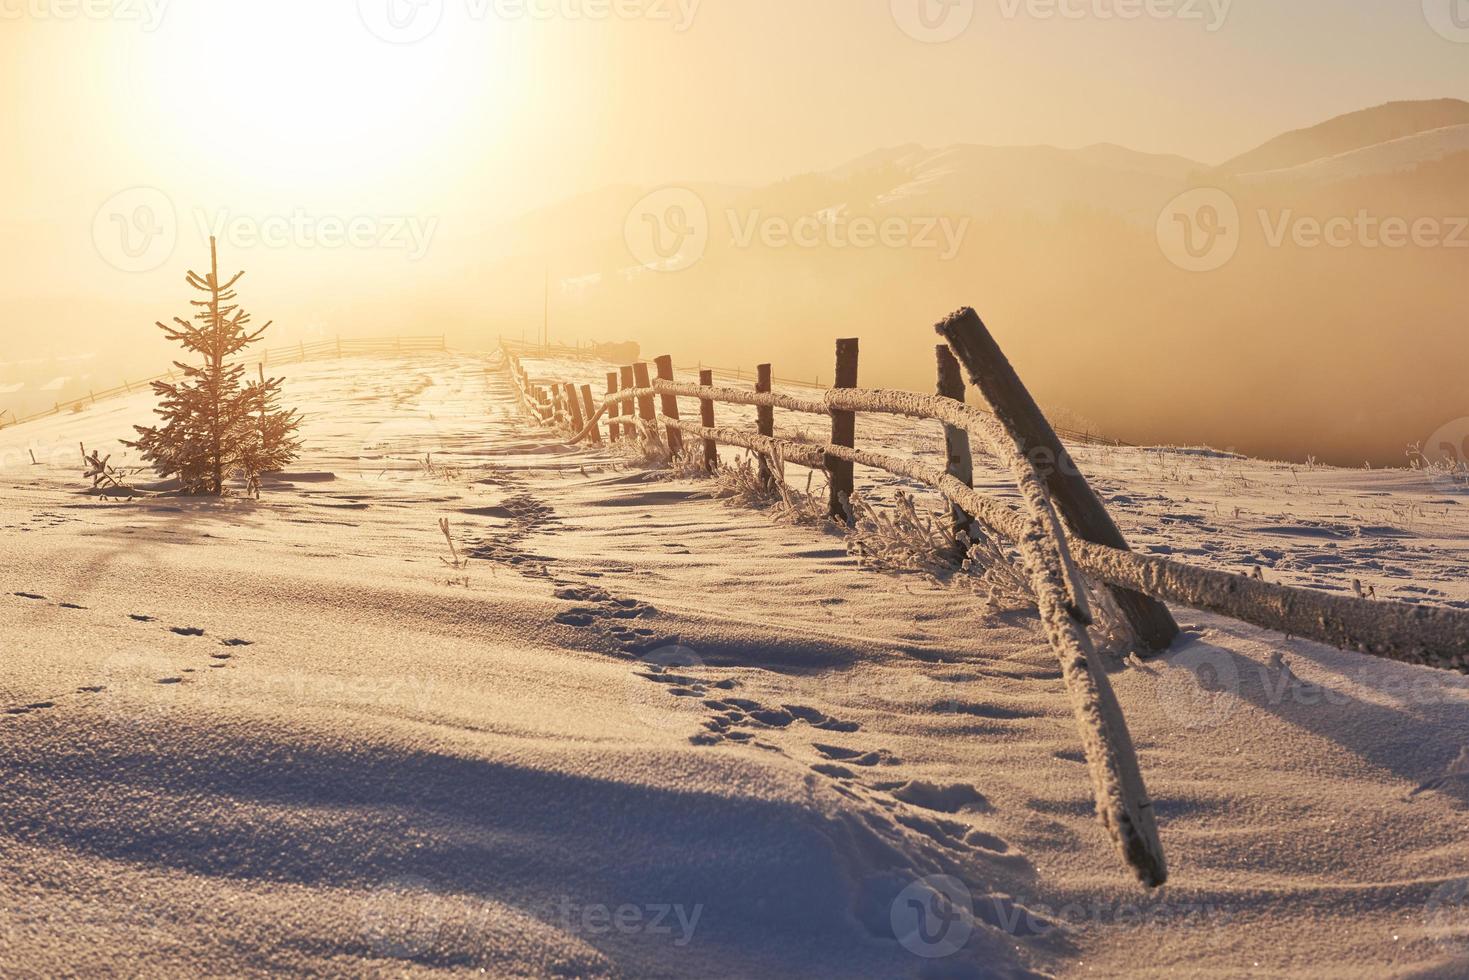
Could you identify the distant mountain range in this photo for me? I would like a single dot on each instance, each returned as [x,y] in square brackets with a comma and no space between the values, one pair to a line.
[1307,348]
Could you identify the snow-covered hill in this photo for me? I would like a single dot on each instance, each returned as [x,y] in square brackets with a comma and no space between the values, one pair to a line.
[648,734]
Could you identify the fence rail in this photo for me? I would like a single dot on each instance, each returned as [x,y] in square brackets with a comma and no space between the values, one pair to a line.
[1061,530]
[297,354]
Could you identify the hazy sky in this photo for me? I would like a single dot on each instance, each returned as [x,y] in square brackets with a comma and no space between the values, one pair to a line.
[268,108]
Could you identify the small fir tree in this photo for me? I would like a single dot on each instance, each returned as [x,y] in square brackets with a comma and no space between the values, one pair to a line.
[215,427]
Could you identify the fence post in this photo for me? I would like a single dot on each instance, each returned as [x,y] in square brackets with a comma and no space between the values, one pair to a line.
[670,404]
[625,375]
[589,410]
[645,402]
[574,407]
[843,433]
[766,416]
[614,427]
[961,458]
[706,419]
[1084,513]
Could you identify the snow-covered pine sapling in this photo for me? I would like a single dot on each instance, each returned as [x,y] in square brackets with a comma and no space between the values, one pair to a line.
[215,427]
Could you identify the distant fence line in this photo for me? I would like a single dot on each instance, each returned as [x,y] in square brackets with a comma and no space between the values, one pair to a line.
[1061,527]
[296,354]
[524,349]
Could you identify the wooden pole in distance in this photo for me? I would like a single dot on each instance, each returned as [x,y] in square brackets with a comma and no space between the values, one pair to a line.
[645,402]
[843,433]
[766,416]
[664,364]
[589,412]
[614,428]
[961,459]
[706,418]
[1084,513]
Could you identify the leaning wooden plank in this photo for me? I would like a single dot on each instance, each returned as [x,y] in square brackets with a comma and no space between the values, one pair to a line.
[1411,634]
[1087,517]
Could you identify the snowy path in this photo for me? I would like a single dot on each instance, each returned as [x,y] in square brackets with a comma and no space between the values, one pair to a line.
[646,734]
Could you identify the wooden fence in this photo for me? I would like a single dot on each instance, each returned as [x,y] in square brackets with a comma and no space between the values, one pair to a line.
[1061,530]
[296,354]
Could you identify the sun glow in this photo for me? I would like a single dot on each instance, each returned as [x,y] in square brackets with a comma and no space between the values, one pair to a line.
[301,95]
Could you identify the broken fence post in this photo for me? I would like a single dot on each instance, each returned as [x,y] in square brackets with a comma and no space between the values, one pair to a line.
[1084,513]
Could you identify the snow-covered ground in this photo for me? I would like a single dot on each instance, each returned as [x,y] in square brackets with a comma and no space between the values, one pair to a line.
[645,733]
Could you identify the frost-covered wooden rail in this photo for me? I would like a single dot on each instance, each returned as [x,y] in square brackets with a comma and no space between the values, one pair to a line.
[1061,531]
